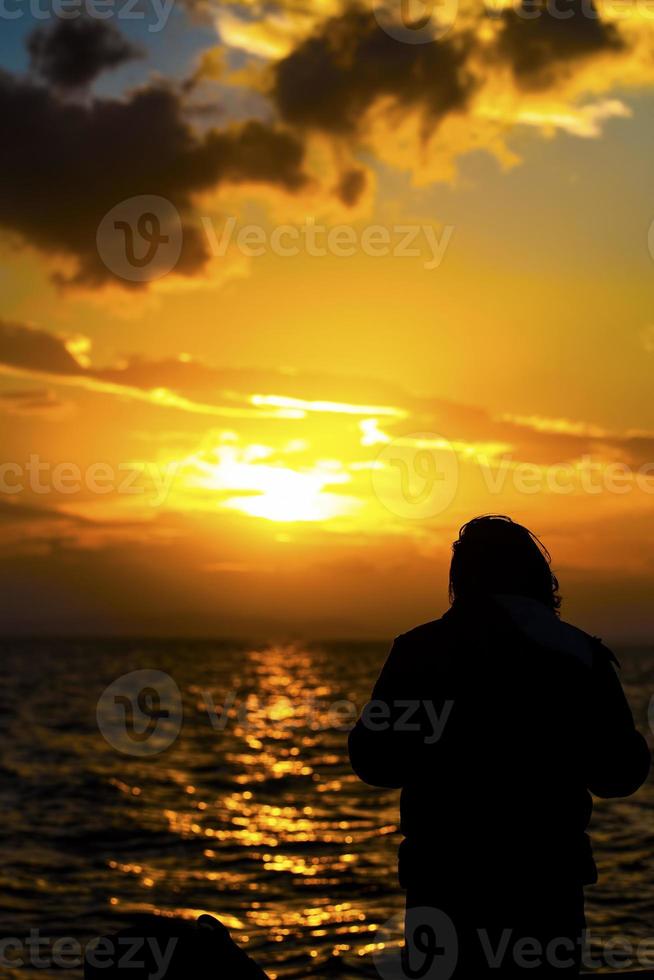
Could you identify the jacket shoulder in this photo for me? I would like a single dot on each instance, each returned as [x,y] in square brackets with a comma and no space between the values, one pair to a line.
[425,633]
[595,649]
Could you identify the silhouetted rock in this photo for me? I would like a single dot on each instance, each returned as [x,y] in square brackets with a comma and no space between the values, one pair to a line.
[161,948]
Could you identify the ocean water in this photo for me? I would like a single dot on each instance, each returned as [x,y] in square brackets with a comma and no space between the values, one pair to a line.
[251,812]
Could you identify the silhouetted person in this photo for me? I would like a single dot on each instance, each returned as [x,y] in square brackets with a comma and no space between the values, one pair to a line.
[520,716]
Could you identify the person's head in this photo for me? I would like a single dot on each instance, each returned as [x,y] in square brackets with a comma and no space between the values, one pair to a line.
[493,554]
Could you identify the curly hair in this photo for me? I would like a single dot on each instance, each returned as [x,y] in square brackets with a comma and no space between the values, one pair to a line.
[494,554]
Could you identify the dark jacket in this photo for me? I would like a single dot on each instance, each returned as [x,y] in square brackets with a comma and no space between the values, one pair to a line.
[533,717]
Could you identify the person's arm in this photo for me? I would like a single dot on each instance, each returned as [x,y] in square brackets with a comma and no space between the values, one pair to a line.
[371,745]
[389,738]
[619,757]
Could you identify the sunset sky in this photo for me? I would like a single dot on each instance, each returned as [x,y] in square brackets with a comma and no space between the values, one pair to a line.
[269,444]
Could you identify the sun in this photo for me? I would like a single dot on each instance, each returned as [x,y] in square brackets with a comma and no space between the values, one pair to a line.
[247,479]
[292,496]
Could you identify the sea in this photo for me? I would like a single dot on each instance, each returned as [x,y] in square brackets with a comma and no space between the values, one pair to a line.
[171,777]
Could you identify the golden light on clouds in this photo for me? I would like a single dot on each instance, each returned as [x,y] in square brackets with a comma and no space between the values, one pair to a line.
[334,415]
[338,408]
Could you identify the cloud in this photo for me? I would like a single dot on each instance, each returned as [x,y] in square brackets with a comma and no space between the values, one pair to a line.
[342,86]
[348,73]
[351,186]
[174,383]
[247,395]
[540,41]
[585,121]
[31,349]
[70,54]
[65,165]
[421,107]
[331,80]
[22,346]
[324,455]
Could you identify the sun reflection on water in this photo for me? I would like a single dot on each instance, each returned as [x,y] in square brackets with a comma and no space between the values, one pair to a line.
[284,839]
[252,815]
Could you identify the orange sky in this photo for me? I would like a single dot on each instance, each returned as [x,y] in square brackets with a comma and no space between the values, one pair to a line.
[435,302]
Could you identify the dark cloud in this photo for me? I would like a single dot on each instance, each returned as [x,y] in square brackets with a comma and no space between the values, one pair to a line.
[350,63]
[35,350]
[64,165]
[351,186]
[336,75]
[70,54]
[539,40]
